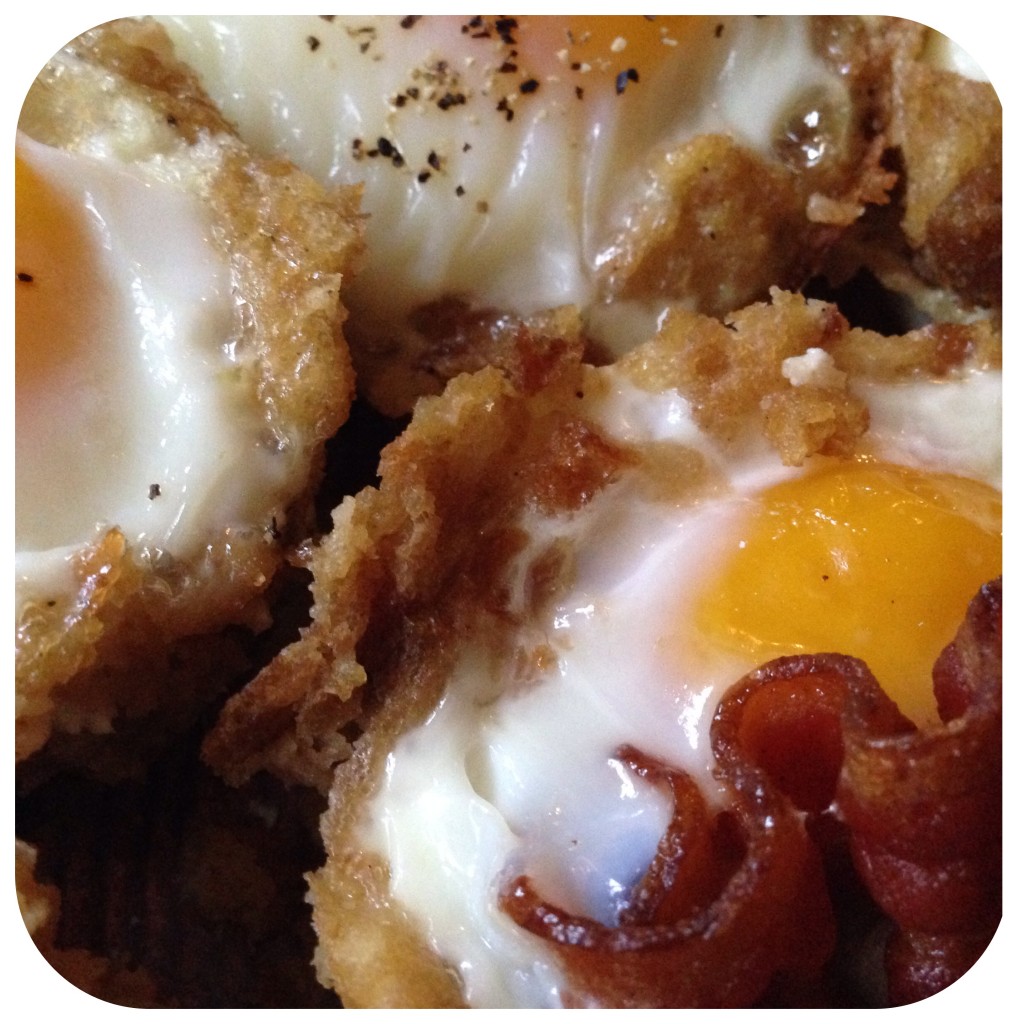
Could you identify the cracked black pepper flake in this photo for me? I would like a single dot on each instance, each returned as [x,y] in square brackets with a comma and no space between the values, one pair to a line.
[719,29]
[451,99]
[434,160]
[24,277]
[327,17]
[530,85]
[508,67]
[460,191]
[503,108]
[313,42]
[154,491]
[629,75]
[423,177]
[409,20]
[579,92]
[504,26]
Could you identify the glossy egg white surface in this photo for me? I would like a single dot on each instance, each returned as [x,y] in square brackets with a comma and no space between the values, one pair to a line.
[131,410]
[500,173]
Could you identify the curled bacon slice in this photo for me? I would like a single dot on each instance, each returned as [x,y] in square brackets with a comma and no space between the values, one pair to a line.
[925,813]
[922,807]
[730,900]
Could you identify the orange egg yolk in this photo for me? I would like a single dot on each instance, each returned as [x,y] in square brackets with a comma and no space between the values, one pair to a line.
[602,53]
[59,295]
[864,559]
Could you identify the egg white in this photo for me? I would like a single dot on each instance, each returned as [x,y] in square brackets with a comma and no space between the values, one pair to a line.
[110,434]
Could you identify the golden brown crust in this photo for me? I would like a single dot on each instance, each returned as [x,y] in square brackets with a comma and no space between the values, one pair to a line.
[940,240]
[437,528]
[127,71]
[445,338]
[733,369]
[937,350]
[949,132]
[721,225]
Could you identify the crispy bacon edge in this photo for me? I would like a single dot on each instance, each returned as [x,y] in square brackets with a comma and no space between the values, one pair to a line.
[734,900]
[925,815]
[731,900]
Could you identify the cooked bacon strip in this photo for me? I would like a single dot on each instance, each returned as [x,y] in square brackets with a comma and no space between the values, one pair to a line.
[922,807]
[926,814]
[731,900]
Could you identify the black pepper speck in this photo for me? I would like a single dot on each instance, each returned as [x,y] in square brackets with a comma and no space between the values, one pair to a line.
[623,77]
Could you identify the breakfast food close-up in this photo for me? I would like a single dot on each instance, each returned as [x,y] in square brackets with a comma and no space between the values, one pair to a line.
[509,512]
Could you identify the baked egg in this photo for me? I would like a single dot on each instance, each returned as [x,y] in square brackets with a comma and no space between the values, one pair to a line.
[515,165]
[559,566]
[177,374]
[671,603]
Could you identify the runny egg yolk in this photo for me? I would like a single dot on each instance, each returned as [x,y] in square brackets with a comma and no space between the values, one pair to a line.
[58,281]
[68,310]
[865,559]
[600,52]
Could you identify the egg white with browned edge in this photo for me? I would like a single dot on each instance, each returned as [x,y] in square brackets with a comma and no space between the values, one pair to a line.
[503,180]
[179,365]
[661,618]
[131,407]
